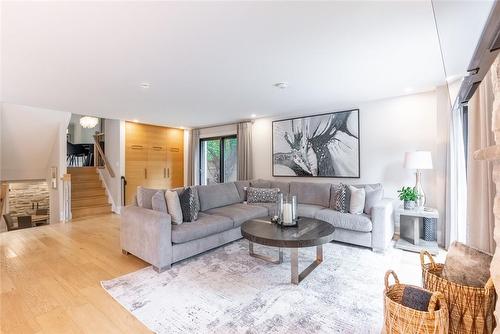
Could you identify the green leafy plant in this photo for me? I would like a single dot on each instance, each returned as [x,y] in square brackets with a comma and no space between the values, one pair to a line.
[408,194]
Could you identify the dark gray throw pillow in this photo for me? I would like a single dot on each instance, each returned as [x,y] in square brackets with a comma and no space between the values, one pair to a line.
[415,298]
[190,204]
[262,195]
[341,202]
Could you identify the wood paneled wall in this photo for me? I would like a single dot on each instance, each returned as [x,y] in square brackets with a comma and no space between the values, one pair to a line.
[154,158]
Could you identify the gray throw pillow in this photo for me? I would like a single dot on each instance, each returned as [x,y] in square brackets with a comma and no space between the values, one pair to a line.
[145,197]
[158,202]
[190,204]
[373,196]
[262,195]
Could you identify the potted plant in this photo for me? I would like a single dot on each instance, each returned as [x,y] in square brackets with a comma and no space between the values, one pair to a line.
[409,197]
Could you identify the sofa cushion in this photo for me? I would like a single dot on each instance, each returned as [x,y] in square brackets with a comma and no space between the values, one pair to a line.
[311,193]
[347,221]
[240,212]
[242,186]
[145,197]
[260,183]
[271,208]
[217,195]
[308,210]
[205,225]
[284,187]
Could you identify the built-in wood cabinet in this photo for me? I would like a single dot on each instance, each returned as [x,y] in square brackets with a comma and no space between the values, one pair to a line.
[154,158]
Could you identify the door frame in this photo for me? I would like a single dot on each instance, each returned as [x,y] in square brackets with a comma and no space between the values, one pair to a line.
[221,158]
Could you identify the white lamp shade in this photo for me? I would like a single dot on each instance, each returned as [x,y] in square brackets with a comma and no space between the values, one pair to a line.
[418,160]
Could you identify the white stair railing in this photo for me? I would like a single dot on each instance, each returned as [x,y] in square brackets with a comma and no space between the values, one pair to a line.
[66,188]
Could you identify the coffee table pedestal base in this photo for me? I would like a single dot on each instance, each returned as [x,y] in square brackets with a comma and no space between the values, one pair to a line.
[296,277]
[264,257]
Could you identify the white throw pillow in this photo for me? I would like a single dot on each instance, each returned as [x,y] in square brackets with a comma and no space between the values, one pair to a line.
[357,204]
[174,206]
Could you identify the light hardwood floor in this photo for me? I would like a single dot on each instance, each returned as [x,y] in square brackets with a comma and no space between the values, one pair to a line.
[50,279]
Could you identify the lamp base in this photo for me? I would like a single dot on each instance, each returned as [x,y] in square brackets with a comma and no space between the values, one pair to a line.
[420,191]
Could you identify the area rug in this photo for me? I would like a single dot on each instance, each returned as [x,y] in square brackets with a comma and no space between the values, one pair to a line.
[227,291]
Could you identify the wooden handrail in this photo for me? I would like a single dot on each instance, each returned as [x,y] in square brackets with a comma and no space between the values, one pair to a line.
[103,156]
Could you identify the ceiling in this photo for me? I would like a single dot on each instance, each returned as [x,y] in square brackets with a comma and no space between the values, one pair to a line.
[216,62]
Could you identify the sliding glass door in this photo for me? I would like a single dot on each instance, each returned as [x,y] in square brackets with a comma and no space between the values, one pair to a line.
[218,160]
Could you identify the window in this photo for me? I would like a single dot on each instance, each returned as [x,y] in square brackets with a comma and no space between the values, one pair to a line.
[218,160]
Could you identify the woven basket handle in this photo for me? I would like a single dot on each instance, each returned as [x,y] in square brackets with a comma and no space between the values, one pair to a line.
[436,296]
[386,279]
[424,253]
[489,284]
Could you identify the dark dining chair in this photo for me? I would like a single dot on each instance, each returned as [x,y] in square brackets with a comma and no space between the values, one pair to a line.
[9,221]
[24,222]
[41,212]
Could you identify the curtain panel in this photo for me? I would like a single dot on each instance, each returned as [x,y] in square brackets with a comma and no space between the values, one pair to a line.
[194,158]
[481,187]
[455,228]
[245,160]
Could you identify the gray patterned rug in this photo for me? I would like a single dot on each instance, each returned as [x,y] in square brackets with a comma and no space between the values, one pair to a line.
[227,291]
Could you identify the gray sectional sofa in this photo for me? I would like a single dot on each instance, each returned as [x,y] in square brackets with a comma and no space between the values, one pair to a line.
[149,234]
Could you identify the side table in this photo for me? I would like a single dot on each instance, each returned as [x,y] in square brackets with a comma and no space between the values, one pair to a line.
[411,229]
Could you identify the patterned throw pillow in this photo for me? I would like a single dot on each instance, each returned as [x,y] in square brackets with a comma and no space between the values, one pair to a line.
[341,200]
[190,204]
[262,195]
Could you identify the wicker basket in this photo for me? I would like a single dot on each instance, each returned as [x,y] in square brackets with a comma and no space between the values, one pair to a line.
[470,309]
[399,319]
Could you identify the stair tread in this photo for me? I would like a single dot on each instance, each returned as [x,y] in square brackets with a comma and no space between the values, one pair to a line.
[91,206]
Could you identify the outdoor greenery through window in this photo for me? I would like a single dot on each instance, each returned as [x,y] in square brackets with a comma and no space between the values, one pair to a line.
[218,160]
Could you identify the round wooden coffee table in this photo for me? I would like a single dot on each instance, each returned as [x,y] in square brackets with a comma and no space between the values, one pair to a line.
[308,232]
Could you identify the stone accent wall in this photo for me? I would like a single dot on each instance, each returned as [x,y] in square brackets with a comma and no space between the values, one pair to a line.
[22,197]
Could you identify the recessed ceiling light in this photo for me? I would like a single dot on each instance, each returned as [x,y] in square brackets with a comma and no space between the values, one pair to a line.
[136,121]
[281,85]
[145,85]
[253,115]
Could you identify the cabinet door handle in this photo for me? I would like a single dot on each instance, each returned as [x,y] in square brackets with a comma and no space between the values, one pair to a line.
[145,173]
[168,172]
[164,173]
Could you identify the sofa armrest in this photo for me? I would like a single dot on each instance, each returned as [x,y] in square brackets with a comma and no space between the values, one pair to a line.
[383,224]
[147,234]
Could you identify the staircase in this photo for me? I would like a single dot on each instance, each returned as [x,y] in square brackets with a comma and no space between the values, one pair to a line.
[88,196]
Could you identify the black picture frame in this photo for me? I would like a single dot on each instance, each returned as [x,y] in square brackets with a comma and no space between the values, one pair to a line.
[273,153]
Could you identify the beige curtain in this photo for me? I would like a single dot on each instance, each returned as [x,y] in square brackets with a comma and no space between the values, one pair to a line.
[194,157]
[245,161]
[480,185]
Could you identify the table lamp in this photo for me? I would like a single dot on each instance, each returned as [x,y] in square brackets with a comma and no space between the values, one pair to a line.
[418,160]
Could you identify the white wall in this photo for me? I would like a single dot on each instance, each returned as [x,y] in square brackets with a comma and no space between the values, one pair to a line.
[388,128]
[57,159]
[114,132]
[32,141]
